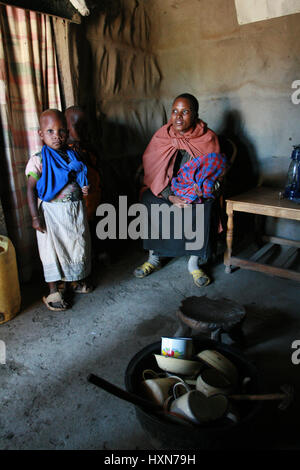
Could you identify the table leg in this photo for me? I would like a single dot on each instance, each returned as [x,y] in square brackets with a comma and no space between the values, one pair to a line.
[229,238]
[259,229]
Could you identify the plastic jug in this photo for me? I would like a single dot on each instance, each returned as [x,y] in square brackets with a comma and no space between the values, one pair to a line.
[10,295]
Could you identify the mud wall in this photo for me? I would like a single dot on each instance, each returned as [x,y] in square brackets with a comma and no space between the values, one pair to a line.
[133,57]
[118,75]
[242,75]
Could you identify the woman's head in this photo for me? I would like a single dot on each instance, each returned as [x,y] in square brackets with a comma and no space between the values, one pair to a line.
[184,113]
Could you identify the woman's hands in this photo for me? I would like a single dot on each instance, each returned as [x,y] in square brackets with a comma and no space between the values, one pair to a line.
[178,201]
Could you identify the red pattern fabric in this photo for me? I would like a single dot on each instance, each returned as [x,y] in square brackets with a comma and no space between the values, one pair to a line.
[160,154]
[203,171]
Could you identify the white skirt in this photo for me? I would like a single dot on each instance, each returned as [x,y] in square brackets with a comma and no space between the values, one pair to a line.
[65,247]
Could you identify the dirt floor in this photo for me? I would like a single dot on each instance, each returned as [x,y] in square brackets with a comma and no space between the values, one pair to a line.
[46,400]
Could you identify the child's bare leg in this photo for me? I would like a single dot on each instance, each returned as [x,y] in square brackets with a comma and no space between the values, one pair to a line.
[52,287]
[83,286]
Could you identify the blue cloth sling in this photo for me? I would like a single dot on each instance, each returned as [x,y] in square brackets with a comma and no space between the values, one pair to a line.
[55,173]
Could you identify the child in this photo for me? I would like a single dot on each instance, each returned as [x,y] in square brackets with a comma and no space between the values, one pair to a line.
[78,141]
[197,178]
[56,182]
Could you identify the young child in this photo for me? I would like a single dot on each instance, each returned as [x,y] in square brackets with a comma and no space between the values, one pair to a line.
[56,182]
[78,140]
[197,178]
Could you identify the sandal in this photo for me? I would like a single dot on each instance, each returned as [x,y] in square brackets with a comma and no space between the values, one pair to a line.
[201,279]
[81,288]
[55,302]
[146,269]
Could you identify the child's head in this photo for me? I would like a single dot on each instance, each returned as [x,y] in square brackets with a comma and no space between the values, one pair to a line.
[77,124]
[53,129]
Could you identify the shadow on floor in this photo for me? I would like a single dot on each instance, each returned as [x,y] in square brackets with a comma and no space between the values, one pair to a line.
[264,324]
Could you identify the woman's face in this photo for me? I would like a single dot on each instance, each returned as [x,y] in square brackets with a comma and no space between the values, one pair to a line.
[183,116]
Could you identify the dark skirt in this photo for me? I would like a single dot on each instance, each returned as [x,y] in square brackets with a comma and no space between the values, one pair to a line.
[174,247]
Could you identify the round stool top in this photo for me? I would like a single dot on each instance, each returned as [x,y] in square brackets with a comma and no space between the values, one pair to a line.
[204,314]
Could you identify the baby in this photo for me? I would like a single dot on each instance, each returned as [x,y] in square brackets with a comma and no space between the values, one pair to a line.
[78,140]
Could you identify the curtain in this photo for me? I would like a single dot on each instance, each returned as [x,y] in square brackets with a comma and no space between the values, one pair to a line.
[28,85]
[67,57]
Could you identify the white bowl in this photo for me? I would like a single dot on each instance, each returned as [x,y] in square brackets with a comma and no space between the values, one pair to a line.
[211,382]
[178,366]
[219,362]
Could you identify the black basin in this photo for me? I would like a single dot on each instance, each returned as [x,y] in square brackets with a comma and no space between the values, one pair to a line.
[222,434]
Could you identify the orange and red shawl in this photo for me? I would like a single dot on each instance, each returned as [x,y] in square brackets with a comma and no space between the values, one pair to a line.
[160,154]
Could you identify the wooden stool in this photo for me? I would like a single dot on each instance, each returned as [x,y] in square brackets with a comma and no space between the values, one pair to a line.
[221,319]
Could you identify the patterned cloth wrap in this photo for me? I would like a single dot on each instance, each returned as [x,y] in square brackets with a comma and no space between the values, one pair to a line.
[204,171]
[56,172]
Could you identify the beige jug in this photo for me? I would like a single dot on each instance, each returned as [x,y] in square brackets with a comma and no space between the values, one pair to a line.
[10,295]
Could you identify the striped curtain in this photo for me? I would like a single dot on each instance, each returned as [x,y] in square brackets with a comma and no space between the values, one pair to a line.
[28,85]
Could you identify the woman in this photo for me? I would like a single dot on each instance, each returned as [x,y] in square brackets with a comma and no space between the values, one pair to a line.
[181,165]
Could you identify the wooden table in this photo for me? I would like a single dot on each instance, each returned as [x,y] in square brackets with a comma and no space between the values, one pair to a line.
[262,201]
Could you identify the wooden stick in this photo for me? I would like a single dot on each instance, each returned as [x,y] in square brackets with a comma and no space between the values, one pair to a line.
[269,396]
[124,395]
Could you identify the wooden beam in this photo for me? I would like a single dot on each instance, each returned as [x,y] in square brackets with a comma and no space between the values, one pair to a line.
[264,268]
[281,241]
[57,8]
[286,258]
[268,248]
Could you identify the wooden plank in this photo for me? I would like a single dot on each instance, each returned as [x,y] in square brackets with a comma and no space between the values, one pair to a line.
[269,196]
[286,258]
[279,212]
[269,247]
[57,8]
[264,268]
[280,241]
[265,201]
